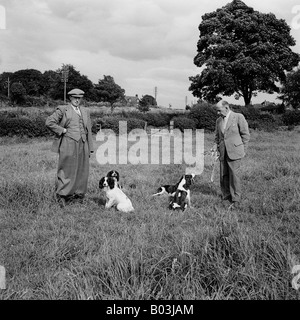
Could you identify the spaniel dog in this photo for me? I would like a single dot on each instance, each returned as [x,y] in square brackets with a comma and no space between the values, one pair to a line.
[181,199]
[114,174]
[116,197]
[168,189]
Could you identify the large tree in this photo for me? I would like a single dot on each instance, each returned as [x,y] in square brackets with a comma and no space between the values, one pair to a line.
[242,52]
[18,92]
[75,80]
[52,84]
[31,79]
[107,90]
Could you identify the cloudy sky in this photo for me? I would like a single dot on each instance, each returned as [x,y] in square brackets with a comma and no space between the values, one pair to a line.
[143,44]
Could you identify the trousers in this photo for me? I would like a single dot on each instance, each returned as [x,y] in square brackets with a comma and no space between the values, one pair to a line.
[229,178]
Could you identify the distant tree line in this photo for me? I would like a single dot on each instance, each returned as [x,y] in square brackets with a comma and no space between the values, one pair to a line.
[22,84]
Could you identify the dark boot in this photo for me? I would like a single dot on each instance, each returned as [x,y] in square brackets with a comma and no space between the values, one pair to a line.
[61,200]
[79,197]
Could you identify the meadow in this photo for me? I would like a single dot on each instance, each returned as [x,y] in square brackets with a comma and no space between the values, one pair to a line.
[83,251]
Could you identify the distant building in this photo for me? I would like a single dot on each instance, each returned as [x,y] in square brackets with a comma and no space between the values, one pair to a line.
[132,101]
[272,107]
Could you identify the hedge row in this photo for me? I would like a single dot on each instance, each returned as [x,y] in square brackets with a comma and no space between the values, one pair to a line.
[113,123]
[21,126]
[155,119]
[201,116]
[204,116]
[291,118]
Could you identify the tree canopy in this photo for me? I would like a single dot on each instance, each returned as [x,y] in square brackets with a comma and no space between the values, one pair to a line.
[149,100]
[17,92]
[242,52]
[75,80]
[31,79]
[291,89]
[145,102]
[31,82]
[107,90]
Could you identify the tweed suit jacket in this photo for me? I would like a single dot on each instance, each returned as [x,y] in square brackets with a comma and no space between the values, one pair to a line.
[61,119]
[235,137]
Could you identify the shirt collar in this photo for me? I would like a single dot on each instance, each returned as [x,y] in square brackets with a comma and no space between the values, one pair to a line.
[227,115]
[75,108]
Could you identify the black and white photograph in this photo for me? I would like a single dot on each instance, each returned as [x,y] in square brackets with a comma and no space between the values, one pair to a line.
[150,153]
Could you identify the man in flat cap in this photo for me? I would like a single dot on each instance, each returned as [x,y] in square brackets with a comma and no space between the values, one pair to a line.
[72,126]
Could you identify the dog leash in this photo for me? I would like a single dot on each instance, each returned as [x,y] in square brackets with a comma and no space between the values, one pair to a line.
[214,154]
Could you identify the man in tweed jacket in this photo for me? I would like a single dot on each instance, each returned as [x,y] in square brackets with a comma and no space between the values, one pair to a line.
[72,125]
[231,140]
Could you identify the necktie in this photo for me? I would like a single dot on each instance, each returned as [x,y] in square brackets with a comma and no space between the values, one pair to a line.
[77,110]
[223,124]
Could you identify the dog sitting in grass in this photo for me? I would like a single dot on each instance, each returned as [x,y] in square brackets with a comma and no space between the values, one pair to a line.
[114,174]
[116,197]
[181,199]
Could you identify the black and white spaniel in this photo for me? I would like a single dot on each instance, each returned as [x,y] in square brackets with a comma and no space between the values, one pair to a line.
[168,189]
[116,197]
[181,199]
[114,174]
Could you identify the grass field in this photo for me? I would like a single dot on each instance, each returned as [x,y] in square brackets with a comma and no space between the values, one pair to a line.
[83,251]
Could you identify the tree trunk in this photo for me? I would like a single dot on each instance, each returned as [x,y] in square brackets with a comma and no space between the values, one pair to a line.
[247,94]
[247,101]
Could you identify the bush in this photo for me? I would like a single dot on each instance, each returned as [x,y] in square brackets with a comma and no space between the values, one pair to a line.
[19,112]
[268,126]
[155,119]
[159,119]
[182,123]
[32,101]
[113,124]
[23,126]
[256,119]
[204,115]
[251,113]
[291,118]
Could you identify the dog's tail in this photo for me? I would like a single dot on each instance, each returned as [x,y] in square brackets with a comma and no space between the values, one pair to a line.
[159,192]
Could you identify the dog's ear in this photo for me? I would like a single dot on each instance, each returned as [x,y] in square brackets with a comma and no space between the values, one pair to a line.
[109,174]
[111,182]
[182,177]
[101,181]
[117,175]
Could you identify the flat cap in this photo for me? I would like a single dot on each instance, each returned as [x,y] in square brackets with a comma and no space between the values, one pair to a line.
[77,93]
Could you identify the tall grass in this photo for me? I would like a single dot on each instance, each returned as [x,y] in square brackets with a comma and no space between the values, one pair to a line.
[83,251]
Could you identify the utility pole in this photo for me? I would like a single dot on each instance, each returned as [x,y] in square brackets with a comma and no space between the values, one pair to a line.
[155,94]
[64,79]
[185,100]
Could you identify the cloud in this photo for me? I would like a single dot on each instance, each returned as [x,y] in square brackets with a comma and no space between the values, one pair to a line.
[141,43]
